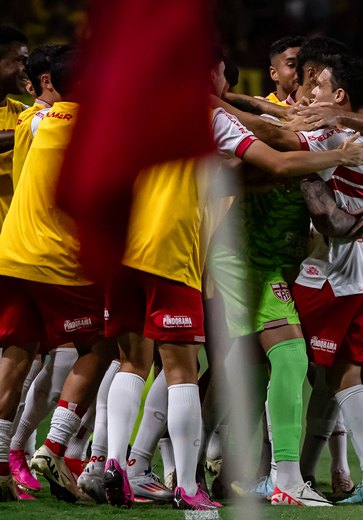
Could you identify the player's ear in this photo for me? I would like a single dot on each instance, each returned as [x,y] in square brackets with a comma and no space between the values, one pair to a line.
[340,95]
[274,74]
[313,76]
[45,80]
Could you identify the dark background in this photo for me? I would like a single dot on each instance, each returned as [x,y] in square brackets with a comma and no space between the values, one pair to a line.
[246,27]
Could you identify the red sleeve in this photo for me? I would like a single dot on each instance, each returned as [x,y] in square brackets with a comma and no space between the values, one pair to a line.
[303,142]
[243,145]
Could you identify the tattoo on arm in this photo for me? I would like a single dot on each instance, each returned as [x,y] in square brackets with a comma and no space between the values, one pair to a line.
[327,218]
[247,106]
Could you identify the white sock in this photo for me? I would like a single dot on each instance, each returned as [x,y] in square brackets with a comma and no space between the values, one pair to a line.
[152,427]
[213,411]
[32,374]
[5,436]
[217,439]
[30,445]
[167,455]
[79,440]
[338,447]
[43,394]
[122,409]
[99,442]
[288,475]
[185,424]
[350,402]
[273,470]
[63,426]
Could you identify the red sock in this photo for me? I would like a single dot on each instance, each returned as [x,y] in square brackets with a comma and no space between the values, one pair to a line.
[55,447]
[4,469]
[73,407]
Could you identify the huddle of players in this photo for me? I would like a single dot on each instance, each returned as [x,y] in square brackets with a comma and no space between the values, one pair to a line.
[39,265]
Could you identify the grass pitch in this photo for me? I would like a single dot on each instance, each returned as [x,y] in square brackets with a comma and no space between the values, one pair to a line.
[47,507]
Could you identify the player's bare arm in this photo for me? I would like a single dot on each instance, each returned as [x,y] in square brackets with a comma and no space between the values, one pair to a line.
[327,218]
[274,136]
[328,114]
[256,105]
[300,162]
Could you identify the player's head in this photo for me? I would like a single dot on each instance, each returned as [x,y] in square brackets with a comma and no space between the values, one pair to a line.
[217,77]
[231,73]
[13,56]
[63,72]
[341,82]
[38,66]
[312,55]
[283,64]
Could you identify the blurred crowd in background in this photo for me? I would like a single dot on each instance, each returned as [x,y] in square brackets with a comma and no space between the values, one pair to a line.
[246,27]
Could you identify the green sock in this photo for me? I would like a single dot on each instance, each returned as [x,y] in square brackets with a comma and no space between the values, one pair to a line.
[288,370]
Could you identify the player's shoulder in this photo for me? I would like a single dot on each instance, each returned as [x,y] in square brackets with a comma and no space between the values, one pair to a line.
[15,105]
[221,115]
[37,118]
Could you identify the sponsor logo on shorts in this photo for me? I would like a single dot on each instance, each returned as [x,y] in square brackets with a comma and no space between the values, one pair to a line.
[177,322]
[312,271]
[106,315]
[325,345]
[281,291]
[79,323]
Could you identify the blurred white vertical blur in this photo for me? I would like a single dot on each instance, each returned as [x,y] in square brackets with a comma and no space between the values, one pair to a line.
[231,389]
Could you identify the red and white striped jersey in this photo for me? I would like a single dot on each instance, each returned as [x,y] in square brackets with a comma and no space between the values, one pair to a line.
[340,260]
[230,136]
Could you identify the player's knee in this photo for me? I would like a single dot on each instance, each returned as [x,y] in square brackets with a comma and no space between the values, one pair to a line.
[289,356]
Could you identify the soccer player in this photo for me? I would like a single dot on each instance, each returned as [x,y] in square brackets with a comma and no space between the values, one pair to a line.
[341,83]
[44,392]
[161,276]
[13,56]
[91,479]
[273,259]
[48,294]
[308,65]
[283,67]
[328,289]
[38,72]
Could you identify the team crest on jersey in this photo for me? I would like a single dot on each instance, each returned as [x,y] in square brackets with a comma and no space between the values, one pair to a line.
[281,291]
[312,271]
[177,322]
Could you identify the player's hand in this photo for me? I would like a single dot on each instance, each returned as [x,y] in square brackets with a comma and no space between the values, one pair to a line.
[297,124]
[357,230]
[353,152]
[302,103]
[320,114]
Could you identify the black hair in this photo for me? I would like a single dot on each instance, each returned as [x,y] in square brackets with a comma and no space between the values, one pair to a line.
[63,71]
[280,46]
[231,71]
[39,62]
[318,50]
[347,73]
[217,56]
[9,35]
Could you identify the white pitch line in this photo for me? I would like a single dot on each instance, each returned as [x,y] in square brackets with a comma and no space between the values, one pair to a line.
[201,515]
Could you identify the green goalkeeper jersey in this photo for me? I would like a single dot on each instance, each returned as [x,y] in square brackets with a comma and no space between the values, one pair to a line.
[277,228]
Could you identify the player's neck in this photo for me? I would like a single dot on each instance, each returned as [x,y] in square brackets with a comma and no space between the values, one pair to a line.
[41,101]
